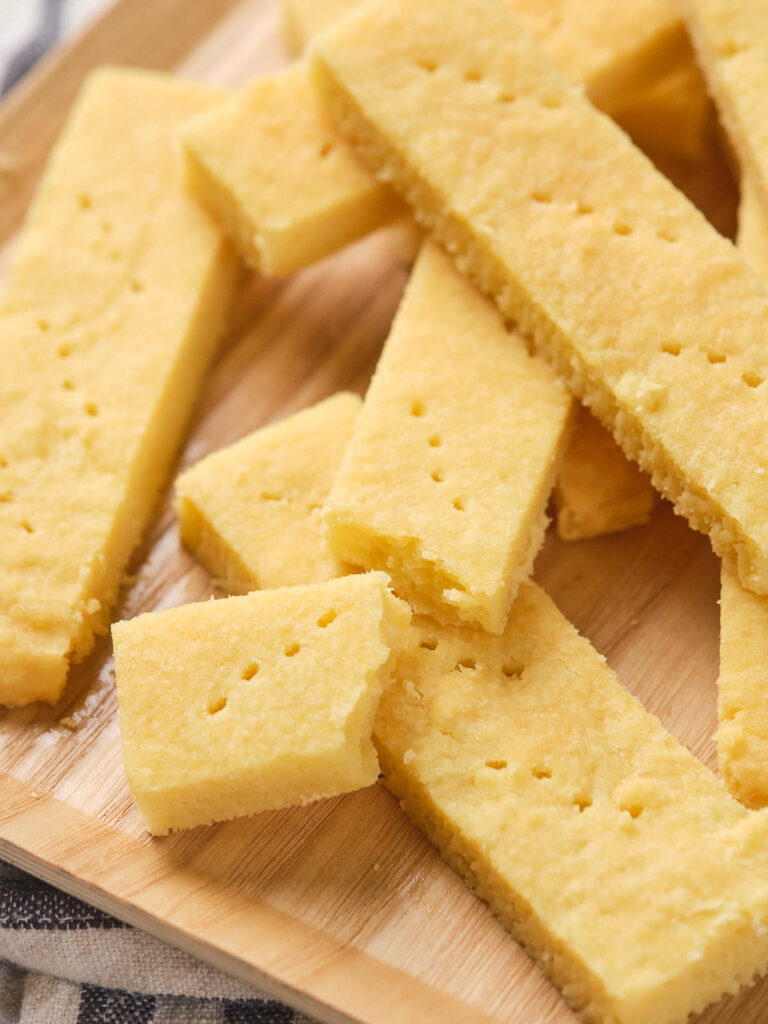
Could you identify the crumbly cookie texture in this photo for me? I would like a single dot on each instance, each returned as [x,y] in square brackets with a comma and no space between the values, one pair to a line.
[251,513]
[269,165]
[651,316]
[742,710]
[102,350]
[256,702]
[445,482]
[598,490]
[610,852]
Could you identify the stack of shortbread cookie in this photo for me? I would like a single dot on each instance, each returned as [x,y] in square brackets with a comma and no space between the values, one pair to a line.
[378,553]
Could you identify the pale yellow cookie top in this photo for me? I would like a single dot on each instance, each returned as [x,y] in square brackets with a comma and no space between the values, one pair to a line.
[216,687]
[70,327]
[262,496]
[653,316]
[455,449]
[731,42]
[564,792]
[742,734]
[613,48]
[610,47]
[279,173]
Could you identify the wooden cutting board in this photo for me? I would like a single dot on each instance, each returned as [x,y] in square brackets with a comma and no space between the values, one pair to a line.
[341,908]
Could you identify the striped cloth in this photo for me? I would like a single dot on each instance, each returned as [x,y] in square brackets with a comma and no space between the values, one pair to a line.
[28,28]
[64,962]
[61,961]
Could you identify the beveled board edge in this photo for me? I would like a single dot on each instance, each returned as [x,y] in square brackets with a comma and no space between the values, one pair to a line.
[261,946]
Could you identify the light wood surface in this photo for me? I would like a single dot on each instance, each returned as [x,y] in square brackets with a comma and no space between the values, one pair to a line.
[341,908]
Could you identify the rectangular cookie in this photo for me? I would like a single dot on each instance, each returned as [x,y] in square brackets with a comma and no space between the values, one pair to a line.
[616,858]
[445,482]
[614,49]
[103,344]
[271,168]
[251,513]
[598,491]
[730,38]
[254,720]
[607,43]
[651,316]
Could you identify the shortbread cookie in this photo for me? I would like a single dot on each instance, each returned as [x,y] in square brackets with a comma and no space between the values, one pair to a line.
[250,703]
[114,300]
[651,315]
[598,491]
[731,41]
[251,513]
[445,482]
[614,49]
[610,852]
[270,166]
[609,43]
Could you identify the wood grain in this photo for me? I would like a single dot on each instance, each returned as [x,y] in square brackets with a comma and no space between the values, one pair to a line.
[341,908]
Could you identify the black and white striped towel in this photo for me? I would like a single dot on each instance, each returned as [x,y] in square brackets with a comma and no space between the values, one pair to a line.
[61,961]
[64,962]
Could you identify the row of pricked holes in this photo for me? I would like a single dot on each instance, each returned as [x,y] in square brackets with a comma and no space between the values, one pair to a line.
[473,75]
[418,409]
[541,196]
[252,669]
[63,352]
[580,802]
[7,496]
[510,669]
[274,496]
[750,377]
[620,227]
[85,202]
[515,670]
